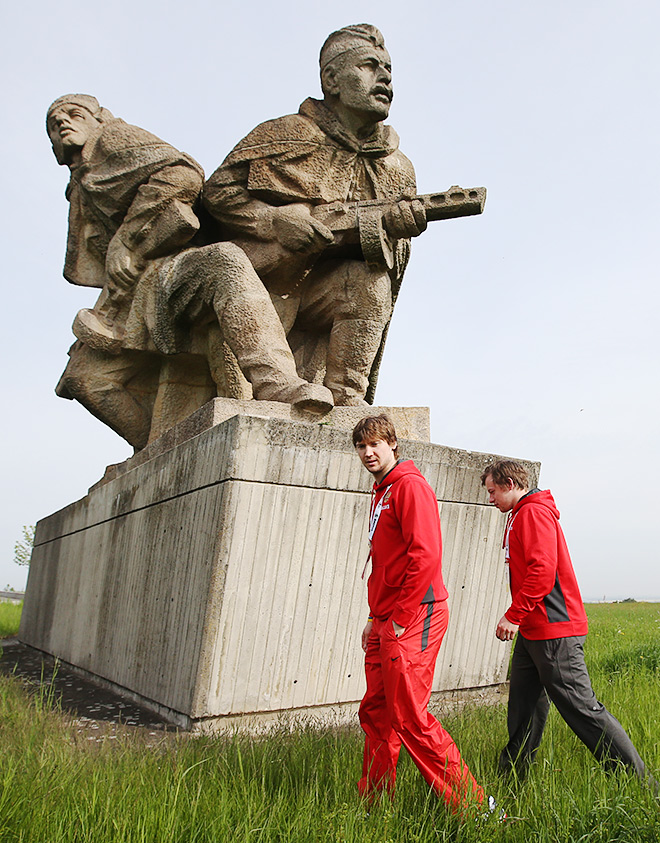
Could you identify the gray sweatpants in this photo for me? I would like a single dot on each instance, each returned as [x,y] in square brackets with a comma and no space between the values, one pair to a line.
[555,670]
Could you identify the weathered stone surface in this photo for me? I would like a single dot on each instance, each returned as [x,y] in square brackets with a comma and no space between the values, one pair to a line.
[412,422]
[282,290]
[220,581]
[142,363]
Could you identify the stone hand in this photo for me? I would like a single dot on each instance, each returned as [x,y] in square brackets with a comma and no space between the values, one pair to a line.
[298,231]
[122,265]
[406,218]
[505,629]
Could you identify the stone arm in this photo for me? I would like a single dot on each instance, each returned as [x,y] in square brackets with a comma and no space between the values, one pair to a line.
[243,215]
[227,199]
[159,221]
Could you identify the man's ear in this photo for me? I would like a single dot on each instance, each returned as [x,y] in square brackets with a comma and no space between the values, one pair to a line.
[330,81]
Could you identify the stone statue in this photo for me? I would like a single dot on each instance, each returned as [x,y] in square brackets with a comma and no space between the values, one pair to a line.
[132,226]
[277,282]
[334,305]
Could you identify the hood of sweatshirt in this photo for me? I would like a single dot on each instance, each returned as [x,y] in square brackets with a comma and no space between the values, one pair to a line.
[538,497]
[400,469]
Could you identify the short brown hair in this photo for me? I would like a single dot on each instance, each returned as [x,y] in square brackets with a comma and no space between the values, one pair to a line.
[376,427]
[504,470]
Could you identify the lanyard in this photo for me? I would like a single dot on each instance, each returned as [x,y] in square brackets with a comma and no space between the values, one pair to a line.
[375,511]
[374,516]
[507,533]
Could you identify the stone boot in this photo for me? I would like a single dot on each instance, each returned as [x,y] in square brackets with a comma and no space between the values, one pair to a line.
[264,357]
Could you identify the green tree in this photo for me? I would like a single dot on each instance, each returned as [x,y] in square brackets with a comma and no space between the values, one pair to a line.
[23,547]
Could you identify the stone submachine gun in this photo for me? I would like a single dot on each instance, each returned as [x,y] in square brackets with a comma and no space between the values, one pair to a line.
[361,223]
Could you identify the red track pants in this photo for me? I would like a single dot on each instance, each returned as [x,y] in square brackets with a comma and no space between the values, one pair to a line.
[399,678]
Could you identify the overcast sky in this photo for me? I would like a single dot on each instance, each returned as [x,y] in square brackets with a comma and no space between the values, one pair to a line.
[530,331]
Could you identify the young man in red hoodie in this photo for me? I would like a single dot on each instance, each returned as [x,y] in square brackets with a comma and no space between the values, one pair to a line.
[547,613]
[407,622]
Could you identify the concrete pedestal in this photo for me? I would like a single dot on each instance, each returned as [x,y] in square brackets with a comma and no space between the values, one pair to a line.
[220,581]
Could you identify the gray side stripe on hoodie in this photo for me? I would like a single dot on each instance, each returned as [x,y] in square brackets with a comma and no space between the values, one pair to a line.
[555,604]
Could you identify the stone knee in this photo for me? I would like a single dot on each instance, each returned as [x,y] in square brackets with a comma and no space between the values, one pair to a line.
[222,276]
[217,274]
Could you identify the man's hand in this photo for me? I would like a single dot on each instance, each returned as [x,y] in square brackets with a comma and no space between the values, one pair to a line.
[398,630]
[505,629]
[407,218]
[297,230]
[122,265]
[366,632]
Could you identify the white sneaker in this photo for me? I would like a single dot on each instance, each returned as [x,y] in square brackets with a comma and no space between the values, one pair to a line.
[492,811]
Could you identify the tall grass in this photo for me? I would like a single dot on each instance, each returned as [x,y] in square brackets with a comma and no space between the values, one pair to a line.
[10,617]
[57,786]
[625,638]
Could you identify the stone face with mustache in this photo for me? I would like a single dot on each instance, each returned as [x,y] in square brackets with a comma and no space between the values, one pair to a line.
[358,88]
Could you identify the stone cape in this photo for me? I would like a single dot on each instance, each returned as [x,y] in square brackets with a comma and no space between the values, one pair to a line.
[107,191]
[310,157]
[132,185]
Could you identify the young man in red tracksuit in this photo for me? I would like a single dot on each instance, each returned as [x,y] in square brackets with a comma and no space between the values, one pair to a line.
[547,613]
[408,619]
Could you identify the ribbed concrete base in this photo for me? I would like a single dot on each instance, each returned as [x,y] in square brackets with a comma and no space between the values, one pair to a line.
[220,580]
[410,423]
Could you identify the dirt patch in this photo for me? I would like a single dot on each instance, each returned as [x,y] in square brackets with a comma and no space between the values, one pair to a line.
[96,714]
[99,714]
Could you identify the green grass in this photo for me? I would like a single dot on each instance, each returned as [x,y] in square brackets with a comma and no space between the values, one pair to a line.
[625,637]
[10,617]
[57,786]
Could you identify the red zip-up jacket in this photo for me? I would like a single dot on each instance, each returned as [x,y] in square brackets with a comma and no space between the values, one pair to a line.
[546,600]
[406,548]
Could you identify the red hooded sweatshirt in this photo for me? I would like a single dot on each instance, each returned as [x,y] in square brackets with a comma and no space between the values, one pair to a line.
[546,598]
[406,548]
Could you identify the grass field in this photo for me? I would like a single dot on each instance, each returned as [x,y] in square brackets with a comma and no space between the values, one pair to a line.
[301,787]
[10,616]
